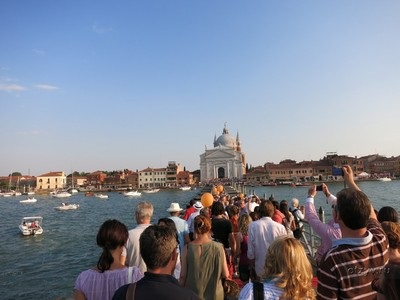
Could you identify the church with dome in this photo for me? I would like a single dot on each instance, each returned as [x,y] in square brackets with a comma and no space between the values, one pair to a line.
[225,161]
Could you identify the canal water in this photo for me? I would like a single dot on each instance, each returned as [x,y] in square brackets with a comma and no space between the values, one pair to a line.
[46,266]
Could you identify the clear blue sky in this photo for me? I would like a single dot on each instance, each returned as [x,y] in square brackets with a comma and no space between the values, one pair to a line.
[108,85]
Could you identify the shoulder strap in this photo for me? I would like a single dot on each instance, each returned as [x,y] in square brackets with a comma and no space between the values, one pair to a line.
[130,274]
[258,290]
[130,292]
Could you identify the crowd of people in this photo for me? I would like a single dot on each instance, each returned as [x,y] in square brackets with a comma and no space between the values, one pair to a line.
[193,253]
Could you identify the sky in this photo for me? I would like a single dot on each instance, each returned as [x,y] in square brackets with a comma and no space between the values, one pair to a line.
[113,85]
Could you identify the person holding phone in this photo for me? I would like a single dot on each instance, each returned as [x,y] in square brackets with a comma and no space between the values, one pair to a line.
[326,231]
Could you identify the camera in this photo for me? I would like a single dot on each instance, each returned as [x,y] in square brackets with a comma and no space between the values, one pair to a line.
[337,171]
[319,188]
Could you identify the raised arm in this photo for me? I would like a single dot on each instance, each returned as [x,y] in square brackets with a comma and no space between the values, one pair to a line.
[348,176]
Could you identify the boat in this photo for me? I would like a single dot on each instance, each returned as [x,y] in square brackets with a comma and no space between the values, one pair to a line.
[73,191]
[151,191]
[101,196]
[185,188]
[132,194]
[31,225]
[384,179]
[61,195]
[67,207]
[29,200]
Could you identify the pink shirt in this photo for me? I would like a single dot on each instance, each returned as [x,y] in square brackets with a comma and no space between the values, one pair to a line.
[326,231]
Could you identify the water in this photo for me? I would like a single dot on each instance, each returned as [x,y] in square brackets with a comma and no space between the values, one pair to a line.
[46,266]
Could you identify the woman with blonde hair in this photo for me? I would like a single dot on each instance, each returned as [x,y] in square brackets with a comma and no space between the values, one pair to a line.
[241,247]
[203,263]
[287,274]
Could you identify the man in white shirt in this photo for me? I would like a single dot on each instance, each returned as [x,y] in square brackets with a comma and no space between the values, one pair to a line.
[261,234]
[143,215]
[181,225]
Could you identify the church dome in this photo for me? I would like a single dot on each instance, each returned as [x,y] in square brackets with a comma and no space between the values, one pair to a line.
[225,140]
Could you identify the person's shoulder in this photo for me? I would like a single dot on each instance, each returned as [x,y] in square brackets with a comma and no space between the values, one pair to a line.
[120,293]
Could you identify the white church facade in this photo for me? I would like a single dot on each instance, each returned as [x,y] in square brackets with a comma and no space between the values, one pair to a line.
[225,161]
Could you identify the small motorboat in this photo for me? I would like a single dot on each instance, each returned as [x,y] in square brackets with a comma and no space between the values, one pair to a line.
[151,191]
[62,195]
[31,225]
[101,196]
[384,179]
[185,188]
[29,200]
[67,207]
[132,194]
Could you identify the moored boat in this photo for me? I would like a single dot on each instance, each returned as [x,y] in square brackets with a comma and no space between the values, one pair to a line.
[31,225]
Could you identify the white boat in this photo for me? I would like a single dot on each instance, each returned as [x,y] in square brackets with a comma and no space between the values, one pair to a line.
[132,194]
[29,200]
[73,191]
[67,206]
[384,179]
[101,196]
[17,194]
[185,188]
[31,225]
[151,191]
[61,195]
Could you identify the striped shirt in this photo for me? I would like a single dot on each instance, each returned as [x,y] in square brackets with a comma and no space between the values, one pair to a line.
[347,270]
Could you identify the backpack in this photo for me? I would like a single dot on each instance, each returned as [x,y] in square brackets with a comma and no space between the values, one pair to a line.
[298,231]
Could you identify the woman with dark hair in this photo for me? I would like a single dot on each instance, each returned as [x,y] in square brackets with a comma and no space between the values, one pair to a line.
[203,263]
[222,229]
[388,284]
[288,220]
[388,213]
[109,274]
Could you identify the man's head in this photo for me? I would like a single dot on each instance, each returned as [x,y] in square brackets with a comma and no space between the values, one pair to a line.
[266,208]
[174,209]
[217,209]
[144,212]
[158,247]
[353,208]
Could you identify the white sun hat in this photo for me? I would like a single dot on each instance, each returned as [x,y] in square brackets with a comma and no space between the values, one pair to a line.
[174,207]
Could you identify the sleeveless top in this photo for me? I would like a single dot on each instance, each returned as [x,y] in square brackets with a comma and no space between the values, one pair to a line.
[204,270]
[244,260]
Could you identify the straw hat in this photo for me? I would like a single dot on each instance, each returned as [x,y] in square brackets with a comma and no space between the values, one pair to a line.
[174,207]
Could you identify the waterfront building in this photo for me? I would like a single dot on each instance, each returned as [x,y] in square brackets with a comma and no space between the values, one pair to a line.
[184,178]
[257,175]
[51,181]
[96,179]
[172,172]
[225,161]
[153,178]
[78,181]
